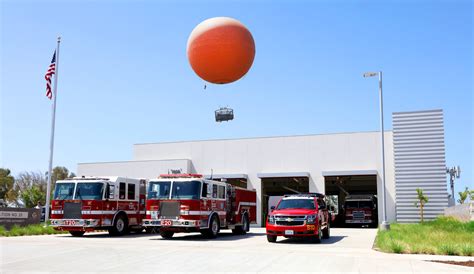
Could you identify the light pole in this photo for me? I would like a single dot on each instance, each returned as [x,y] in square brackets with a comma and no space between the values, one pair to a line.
[385,225]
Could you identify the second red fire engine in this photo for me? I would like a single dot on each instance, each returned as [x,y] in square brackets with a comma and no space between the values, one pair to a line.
[190,203]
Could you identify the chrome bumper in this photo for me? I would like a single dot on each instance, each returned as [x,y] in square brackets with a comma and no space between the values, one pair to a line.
[358,221]
[174,223]
[75,222]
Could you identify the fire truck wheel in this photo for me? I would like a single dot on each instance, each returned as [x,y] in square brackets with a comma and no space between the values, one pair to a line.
[213,229]
[271,238]
[77,233]
[327,232]
[120,226]
[166,234]
[244,228]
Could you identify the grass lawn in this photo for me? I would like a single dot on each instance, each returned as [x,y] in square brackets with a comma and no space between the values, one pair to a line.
[443,236]
[38,229]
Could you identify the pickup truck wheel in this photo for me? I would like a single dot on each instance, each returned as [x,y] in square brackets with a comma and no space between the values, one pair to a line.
[166,234]
[271,238]
[317,238]
[120,226]
[327,232]
[213,229]
[77,233]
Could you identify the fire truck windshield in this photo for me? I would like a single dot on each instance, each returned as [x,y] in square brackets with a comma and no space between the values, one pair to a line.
[366,204]
[64,191]
[159,190]
[186,190]
[296,203]
[89,191]
[352,204]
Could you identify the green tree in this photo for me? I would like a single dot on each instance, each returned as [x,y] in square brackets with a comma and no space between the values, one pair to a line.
[31,186]
[471,194]
[28,185]
[59,173]
[33,195]
[7,182]
[421,201]
[463,195]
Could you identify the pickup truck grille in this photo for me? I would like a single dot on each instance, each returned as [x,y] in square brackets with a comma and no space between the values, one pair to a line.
[290,223]
[290,220]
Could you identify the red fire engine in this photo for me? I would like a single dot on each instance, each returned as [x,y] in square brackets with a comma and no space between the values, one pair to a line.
[84,204]
[190,203]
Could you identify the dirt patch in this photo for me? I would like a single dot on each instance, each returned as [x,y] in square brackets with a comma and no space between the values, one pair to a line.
[465,263]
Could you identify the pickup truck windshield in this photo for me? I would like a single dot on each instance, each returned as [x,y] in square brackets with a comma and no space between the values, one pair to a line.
[64,191]
[89,191]
[186,190]
[159,190]
[296,203]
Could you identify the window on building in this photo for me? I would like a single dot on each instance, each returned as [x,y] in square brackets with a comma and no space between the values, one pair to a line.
[131,191]
[122,191]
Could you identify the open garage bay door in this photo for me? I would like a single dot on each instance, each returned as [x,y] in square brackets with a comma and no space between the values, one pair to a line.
[275,185]
[341,187]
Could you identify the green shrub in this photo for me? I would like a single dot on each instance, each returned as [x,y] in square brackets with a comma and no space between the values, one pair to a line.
[467,250]
[445,235]
[397,247]
[449,249]
[36,229]
[3,230]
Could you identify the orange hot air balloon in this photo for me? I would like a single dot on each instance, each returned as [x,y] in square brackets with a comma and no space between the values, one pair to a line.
[220,50]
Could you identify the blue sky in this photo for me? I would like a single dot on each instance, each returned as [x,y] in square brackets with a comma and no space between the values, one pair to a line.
[124,77]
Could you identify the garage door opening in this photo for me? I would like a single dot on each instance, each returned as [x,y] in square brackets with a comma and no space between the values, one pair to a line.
[353,199]
[274,188]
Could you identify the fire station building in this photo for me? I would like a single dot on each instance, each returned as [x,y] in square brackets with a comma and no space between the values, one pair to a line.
[334,164]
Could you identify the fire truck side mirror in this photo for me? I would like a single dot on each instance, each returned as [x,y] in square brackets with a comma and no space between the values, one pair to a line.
[272,208]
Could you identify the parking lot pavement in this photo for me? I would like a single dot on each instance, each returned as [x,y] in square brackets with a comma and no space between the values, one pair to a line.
[348,250]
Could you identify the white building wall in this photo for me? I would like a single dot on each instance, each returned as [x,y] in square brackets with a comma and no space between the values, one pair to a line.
[134,169]
[309,153]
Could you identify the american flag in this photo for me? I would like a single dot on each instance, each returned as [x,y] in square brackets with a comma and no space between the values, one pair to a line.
[49,74]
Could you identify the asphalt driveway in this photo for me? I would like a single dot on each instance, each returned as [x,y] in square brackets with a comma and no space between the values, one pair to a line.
[348,250]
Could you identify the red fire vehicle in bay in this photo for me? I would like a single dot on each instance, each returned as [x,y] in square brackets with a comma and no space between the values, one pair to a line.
[84,204]
[299,215]
[361,210]
[190,203]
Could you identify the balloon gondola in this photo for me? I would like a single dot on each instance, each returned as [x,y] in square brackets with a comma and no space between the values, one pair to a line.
[224,114]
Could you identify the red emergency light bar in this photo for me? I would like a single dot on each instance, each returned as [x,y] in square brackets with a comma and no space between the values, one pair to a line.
[181,175]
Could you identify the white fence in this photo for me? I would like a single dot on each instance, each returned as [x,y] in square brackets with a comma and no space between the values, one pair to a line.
[464,212]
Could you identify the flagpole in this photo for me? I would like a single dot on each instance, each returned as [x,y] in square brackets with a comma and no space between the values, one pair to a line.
[51,144]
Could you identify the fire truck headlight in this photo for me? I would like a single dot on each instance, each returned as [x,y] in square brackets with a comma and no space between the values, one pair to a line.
[271,219]
[311,219]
